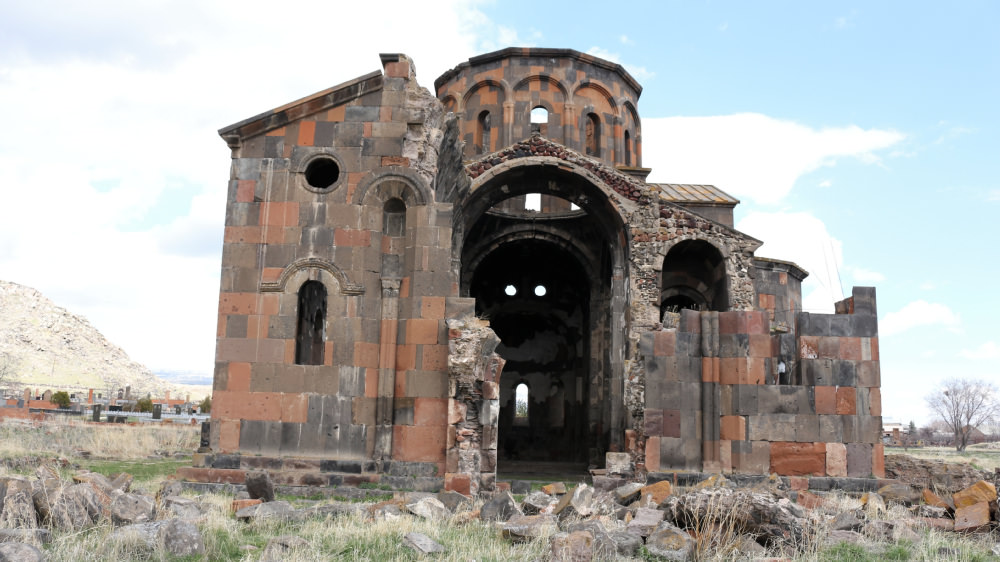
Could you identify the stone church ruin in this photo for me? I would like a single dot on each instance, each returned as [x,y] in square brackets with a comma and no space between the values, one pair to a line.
[418,289]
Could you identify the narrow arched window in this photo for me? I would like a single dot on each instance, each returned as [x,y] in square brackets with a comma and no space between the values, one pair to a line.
[394,217]
[628,149]
[485,144]
[310,337]
[540,120]
[593,135]
[521,404]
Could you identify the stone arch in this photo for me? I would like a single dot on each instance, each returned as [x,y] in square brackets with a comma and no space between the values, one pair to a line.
[598,87]
[542,78]
[694,273]
[305,269]
[386,182]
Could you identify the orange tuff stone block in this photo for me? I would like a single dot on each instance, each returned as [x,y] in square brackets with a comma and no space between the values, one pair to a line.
[756,370]
[850,348]
[460,483]
[836,459]
[733,428]
[422,331]
[239,377]
[826,399]
[352,237]
[808,499]
[981,491]
[808,347]
[656,492]
[878,460]
[664,343]
[418,443]
[847,400]
[245,191]
[366,354]
[279,213]
[430,411]
[875,401]
[432,307]
[972,517]
[733,370]
[798,459]
[406,357]
[434,358]
[395,161]
[709,369]
[760,345]
[932,499]
[238,303]
[371,383]
[456,411]
[653,454]
[237,505]
[229,435]
[307,132]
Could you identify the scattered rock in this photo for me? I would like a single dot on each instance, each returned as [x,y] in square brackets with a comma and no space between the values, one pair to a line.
[387,512]
[604,545]
[128,509]
[537,502]
[628,493]
[429,508]
[930,498]
[928,511]
[122,482]
[453,500]
[39,536]
[974,517]
[837,537]
[20,552]
[627,544]
[646,521]
[577,546]
[184,508]
[577,503]
[181,538]
[671,543]
[265,510]
[981,491]
[422,543]
[524,527]
[656,493]
[899,492]
[279,548]
[260,486]
[847,521]
[555,488]
[501,508]
[873,504]
[520,487]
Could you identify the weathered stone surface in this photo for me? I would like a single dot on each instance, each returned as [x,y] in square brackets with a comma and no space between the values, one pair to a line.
[181,538]
[645,521]
[128,509]
[576,503]
[276,508]
[95,478]
[671,543]
[454,500]
[18,508]
[523,527]
[618,464]
[847,521]
[627,544]
[520,487]
[930,498]
[945,478]
[281,548]
[122,482]
[536,502]
[43,492]
[500,508]
[387,512]
[20,552]
[656,493]
[68,510]
[183,508]
[628,493]
[577,546]
[873,504]
[39,536]
[260,486]
[839,536]
[555,488]
[890,530]
[429,508]
[604,547]
[422,543]
[981,491]
[755,512]
[973,517]
[899,492]
[928,511]
[799,459]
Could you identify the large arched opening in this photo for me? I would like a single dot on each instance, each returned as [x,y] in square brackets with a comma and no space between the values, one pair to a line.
[542,252]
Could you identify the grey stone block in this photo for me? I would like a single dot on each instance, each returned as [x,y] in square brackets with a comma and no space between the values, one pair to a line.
[734,345]
[859,460]
[845,374]
[840,325]
[831,429]
[807,428]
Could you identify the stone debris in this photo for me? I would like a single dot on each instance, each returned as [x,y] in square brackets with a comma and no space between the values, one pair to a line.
[20,552]
[577,546]
[279,548]
[422,543]
[429,508]
[501,508]
[671,543]
[537,502]
[628,493]
[981,491]
[260,486]
[578,503]
[555,488]
[522,527]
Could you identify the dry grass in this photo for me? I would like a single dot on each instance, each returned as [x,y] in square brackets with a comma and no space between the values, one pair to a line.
[71,438]
[983,457]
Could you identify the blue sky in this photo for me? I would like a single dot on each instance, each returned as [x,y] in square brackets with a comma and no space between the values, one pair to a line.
[862,138]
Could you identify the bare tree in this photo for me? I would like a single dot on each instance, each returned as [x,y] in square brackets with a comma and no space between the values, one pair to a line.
[964,405]
[8,370]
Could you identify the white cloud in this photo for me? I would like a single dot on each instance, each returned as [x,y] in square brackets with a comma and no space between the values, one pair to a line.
[811,248]
[917,314]
[993,195]
[752,155]
[989,350]
[825,183]
[640,73]
[625,40]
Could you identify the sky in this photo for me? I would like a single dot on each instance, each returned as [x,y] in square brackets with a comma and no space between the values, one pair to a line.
[862,138]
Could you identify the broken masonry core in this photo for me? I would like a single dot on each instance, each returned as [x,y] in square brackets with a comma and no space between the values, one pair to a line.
[422,289]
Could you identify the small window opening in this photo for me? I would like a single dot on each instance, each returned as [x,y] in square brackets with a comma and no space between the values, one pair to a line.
[321,173]
[394,217]
[510,290]
[521,404]
[593,134]
[311,336]
[628,149]
[574,207]
[484,133]
[540,290]
[533,202]
[539,120]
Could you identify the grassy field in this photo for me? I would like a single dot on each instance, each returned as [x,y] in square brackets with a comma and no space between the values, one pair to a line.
[139,450]
[982,456]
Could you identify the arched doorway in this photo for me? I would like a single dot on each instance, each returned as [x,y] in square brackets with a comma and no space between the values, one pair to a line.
[543,253]
[694,277]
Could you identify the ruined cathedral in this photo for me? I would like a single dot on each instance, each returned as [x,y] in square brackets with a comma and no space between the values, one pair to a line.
[420,289]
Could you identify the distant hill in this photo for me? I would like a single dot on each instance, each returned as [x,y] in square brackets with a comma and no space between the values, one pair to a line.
[52,348]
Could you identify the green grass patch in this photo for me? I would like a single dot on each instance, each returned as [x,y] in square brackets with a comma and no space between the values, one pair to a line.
[141,471]
[846,552]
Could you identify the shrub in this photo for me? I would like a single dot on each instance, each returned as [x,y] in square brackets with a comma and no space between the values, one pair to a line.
[60,399]
[205,406]
[144,405]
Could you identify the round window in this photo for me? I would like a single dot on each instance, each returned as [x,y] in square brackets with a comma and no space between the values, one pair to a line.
[322,173]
